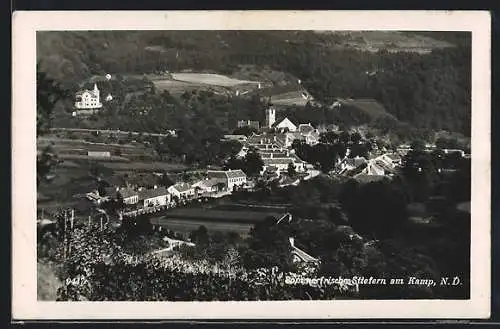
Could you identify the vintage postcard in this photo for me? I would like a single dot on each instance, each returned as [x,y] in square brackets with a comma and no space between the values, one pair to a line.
[251,165]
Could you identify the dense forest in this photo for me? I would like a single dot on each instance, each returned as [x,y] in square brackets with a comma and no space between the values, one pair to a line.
[430,91]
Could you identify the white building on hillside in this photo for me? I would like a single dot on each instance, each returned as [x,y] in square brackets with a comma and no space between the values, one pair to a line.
[88,99]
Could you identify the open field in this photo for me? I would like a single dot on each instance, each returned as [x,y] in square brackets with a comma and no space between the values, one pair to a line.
[143,166]
[210,79]
[175,87]
[289,99]
[124,157]
[237,216]
[182,82]
[187,226]
[392,41]
[369,106]
[253,208]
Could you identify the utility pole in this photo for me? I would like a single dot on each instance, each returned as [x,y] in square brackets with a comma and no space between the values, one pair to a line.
[89,221]
[70,240]
[64,240]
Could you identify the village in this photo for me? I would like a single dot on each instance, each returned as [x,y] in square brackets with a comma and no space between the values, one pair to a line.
[273,142]
[222,178]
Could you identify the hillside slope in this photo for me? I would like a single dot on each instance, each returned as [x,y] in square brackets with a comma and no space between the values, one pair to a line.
[429,91]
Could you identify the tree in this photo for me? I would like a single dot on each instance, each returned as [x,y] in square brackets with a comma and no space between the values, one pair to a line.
[418,145]
[48,94]
[46,162]
[246,130]
[291,171]
[166,181]
[253,164]
[200,236]
[268,246]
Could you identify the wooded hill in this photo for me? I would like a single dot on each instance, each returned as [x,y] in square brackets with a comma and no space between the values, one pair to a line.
[430,91]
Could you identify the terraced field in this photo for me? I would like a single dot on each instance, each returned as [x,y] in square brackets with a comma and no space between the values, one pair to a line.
[237,219]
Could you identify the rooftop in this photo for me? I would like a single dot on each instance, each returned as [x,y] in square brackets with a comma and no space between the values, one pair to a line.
[181,187]
[127,193]
[305,128]
[152,193]
[226,173]
[393,156]
[275,161]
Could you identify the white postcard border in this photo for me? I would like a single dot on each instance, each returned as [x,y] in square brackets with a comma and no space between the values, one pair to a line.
[24,298]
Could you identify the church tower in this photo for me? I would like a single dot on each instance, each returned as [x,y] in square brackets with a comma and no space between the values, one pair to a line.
[270,116]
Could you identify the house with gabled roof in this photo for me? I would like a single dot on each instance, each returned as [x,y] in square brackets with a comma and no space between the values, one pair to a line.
[305,128]
[209,185]
[158,196]
[285,124]
[300,256]
[129,196]
[88,99]
[181,190]
[231,178]
[281,164]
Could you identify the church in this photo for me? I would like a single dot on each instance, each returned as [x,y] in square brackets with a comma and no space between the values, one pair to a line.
[88,99]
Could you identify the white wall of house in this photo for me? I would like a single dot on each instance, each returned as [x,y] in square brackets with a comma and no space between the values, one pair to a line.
[286,123]
[160,200]
[89,99]
[236,181]
[131,199]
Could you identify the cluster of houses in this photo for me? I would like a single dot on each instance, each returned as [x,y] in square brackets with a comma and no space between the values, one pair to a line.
[216,183]
[361,168]
[274,143]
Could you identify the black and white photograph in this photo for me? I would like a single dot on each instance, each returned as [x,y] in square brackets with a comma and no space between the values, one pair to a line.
[257,164]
